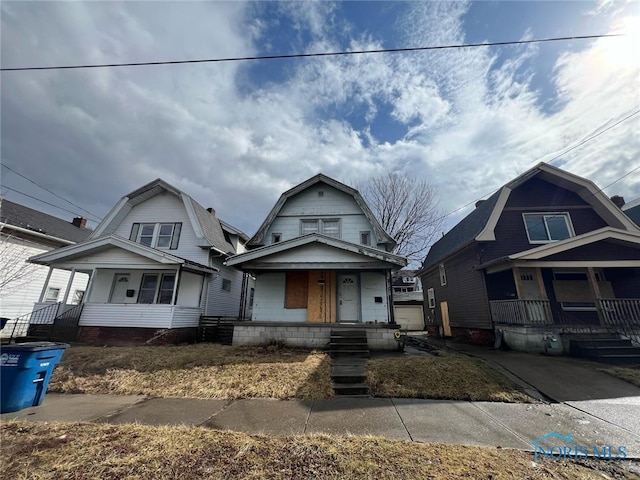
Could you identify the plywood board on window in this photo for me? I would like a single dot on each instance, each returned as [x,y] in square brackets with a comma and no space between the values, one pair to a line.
[321,300]
[579,290]
[296,289]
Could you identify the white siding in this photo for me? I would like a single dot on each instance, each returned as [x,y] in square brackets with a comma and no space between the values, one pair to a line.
[190,288]
[166,208]
[268,304]
[113,257]
[15,302]
[221,302]
[373,284]
[333,204]
[185,317]
[126,315]
[316,253]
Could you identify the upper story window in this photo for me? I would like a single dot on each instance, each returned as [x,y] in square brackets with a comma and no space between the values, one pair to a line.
[156,235]
[548,227]
[365,238]
[326,226]
[52,294]
[276,237]
[443,275]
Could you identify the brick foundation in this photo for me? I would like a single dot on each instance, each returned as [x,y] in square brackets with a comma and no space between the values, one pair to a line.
[476,336]
[115,336]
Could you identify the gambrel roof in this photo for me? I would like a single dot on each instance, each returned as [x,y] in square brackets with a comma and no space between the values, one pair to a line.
[381,235]
[480,224]
[208,228]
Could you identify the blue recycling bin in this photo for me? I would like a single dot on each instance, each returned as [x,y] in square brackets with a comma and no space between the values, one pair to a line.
[25,371]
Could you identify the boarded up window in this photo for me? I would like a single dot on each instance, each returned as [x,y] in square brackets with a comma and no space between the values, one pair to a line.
[296,290]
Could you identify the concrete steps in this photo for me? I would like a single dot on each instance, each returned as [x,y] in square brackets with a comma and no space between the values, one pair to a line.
[349,352]
[605,348]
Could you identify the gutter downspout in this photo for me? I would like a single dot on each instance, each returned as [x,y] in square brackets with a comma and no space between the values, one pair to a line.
[392,313]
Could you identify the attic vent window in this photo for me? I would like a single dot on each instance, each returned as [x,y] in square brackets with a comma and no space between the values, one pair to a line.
[321,193]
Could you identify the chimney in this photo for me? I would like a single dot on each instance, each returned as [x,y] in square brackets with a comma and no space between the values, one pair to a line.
[79,222]
[479,202]
[212,211]
[618,200]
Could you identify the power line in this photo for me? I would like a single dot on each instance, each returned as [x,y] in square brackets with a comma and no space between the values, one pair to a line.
[52,192]
[39,200]
[308,55]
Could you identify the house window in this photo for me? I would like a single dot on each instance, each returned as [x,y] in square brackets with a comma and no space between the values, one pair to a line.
[276,237]
[77,297]
[431,298]
[296,290]
[156,288]
[573,292]
[327,226]
[52,294]
[365,238]
[443,275]
[544,228]
[156,235]
[226,285]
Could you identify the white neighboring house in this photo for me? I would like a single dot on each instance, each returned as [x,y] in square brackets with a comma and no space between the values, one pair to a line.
[320,258]
[408,300]
[25,232]
[156,265]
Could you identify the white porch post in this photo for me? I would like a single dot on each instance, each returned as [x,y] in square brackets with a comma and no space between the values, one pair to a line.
[175,286]
[85,297]
[69,284]
[46,285]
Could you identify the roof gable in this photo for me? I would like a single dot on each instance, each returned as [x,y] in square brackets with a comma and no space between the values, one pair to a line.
[381,235]
[480,224]
[206,225]
[12,213]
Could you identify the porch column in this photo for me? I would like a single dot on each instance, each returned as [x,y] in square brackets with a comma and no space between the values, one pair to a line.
[46,285]
[69,284]
[85,297]
[541,288]
[175,286]
[518,281]
[595,290]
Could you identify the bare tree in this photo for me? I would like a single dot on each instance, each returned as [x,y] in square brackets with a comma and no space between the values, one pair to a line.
[15,272]
[407,208]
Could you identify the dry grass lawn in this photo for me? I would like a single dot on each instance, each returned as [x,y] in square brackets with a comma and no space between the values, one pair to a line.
[83,451]
[628,374]
[445,376]
[197,371]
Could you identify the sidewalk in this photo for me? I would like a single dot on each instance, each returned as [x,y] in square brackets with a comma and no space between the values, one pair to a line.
[469,423]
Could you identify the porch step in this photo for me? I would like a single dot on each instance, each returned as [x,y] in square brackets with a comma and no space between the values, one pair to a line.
[603,348]
[349,352]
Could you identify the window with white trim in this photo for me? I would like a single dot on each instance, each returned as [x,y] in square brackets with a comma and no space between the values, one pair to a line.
[431,298]
[547,227]
[156,235]
[443,275]
[77,297]
[52,294]
[327,226]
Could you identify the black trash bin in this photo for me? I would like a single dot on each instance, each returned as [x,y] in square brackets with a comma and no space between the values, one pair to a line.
[26,370]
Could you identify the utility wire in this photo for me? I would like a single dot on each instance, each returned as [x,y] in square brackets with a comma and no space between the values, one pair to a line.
[308,55]
[52,192]
[40,200]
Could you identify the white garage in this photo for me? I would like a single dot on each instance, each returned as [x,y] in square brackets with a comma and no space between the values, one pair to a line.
[409,317]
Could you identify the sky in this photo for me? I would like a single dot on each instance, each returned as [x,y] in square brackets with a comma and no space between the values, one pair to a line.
[235,135]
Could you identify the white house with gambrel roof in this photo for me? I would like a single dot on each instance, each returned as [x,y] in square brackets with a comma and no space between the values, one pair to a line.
[156,264]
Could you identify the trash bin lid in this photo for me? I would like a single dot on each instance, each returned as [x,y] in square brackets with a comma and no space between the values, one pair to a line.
[34,346]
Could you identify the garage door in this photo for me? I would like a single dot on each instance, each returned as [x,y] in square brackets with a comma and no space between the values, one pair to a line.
[409,317]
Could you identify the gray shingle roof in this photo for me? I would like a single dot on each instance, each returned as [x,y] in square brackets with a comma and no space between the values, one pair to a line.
[211,228]
[463,233]
[25,217]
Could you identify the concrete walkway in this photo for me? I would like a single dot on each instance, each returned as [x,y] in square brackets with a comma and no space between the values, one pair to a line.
[469,423]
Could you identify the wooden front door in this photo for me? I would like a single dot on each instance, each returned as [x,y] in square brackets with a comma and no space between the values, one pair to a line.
[348,305]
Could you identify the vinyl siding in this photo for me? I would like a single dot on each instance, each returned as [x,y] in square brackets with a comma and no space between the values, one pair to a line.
[333,204]
[373,284]
[126,315]
[316,253]
[189,290]
[268,302]
[464,292]
[185,317]
[166,208]
[19,301]
[221,302]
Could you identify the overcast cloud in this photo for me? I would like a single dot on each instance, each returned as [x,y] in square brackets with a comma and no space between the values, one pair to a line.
[235,135]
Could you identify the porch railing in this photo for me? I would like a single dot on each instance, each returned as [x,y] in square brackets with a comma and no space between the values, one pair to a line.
[18,327]
[622,315]
[521,312]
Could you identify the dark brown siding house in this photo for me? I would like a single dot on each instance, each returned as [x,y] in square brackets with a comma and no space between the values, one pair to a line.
[545,260]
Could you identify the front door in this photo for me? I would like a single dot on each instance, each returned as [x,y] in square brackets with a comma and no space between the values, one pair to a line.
[530,290]
[120,287]
[348,298]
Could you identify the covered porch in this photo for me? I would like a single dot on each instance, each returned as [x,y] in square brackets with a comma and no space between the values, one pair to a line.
[130,286]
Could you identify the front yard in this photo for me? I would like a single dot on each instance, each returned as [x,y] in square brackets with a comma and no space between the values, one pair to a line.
[84,451]
[225,372]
